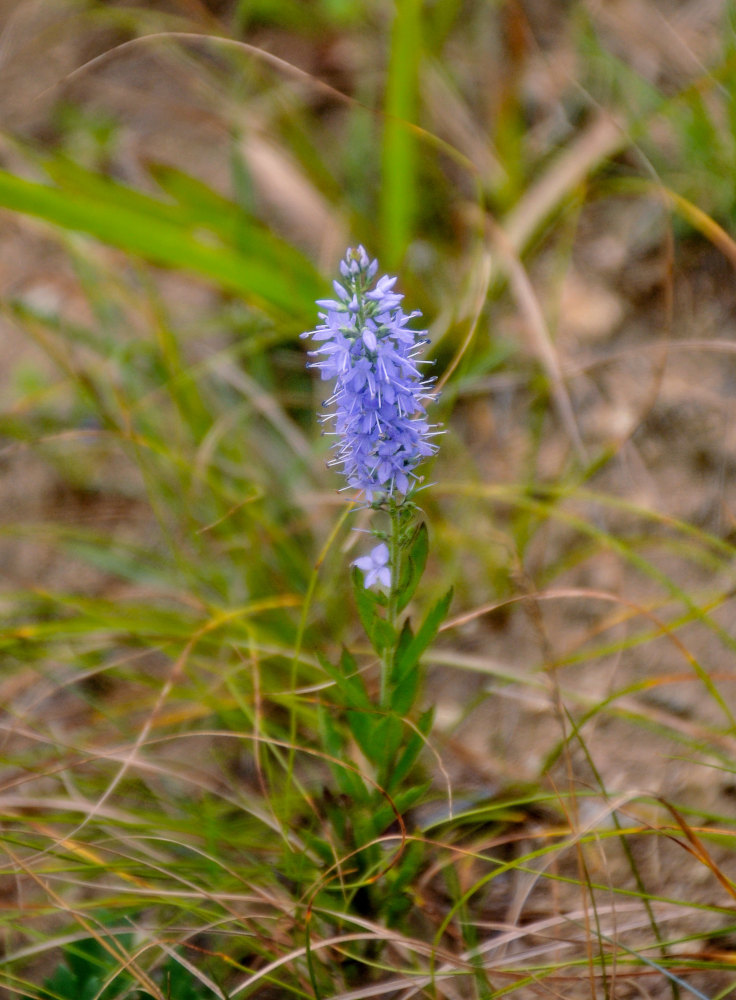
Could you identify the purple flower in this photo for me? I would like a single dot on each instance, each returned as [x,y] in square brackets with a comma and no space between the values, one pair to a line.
[363,342]
[375,566]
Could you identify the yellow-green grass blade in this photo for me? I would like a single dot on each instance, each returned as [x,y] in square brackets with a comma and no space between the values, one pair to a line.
[143,230]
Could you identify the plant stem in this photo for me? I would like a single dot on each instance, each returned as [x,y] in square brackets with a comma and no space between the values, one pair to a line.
[394,549]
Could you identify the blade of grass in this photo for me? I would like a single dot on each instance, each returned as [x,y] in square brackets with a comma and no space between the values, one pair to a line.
[160,241]
[397,207]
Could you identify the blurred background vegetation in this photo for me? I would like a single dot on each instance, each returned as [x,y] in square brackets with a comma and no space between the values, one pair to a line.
[554,185]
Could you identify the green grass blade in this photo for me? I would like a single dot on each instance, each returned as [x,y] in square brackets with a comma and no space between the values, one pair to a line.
[398,198]
[139,229]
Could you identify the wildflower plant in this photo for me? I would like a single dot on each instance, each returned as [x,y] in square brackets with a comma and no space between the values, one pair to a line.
[378,418]
[366,346]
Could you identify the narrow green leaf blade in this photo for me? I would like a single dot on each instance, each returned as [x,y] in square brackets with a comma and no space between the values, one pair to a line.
[378,736]
[408,756]
[348,782]
[405,692]
[398,197]
[378,630]
[414,564]
[348,681]
[408,655]
[403,801]
[160,241]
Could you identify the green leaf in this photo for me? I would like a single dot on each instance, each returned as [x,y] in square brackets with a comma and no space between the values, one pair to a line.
[403,686]
[86,966]
[425,720]
[319,846]
[404,694]
[178,982]
[378,630]
[411,751]
[403,764]
[348,782]
[378,736]
[363,727]
[141,225]
[409,650]
[330,736]
[387,736]
[204,207]
[409,866]
[348,681]
[413,565]
[406,638]
[404,800]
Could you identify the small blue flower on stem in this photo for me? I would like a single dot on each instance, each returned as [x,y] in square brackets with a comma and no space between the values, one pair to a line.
[364,343]
[375,566]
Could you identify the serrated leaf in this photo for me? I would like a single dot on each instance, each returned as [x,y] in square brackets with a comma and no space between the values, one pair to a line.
[413,566]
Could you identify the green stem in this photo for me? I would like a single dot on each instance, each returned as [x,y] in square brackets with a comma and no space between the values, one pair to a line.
[394,550]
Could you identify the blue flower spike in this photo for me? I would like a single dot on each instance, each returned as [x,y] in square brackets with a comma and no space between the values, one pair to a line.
[364,343]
